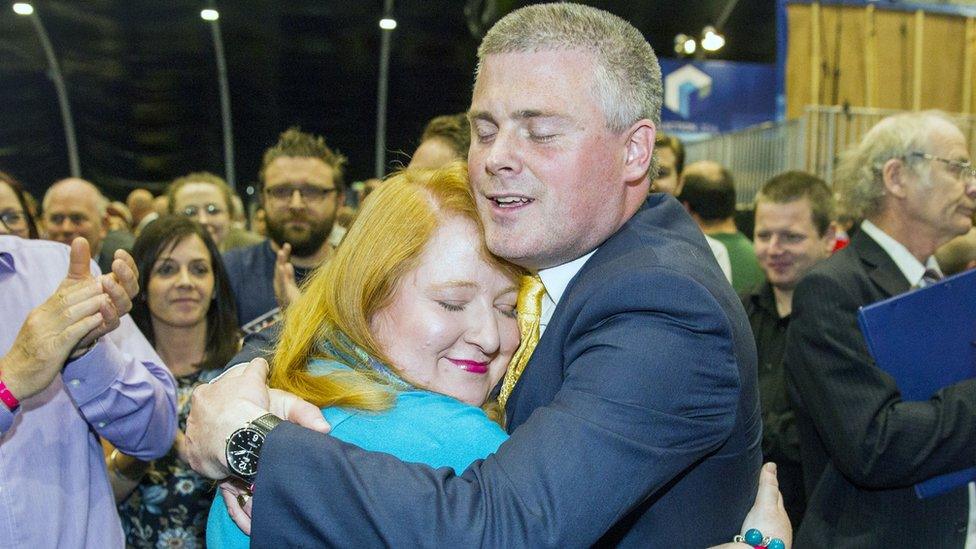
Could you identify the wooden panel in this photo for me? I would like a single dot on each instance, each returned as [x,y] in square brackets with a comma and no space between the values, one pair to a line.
[895,38]
[942,62]
[798,59]
[847,51]
[848,56]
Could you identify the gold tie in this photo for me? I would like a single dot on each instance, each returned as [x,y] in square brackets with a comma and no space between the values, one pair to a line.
[529,307]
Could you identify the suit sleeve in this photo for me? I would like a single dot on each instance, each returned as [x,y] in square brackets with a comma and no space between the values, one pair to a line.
[651,386]
[873,437]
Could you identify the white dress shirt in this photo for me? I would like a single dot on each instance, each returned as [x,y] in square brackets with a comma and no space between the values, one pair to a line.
[556,279]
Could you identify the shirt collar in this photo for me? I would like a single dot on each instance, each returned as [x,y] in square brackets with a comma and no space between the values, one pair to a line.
[908,264]
[556,279]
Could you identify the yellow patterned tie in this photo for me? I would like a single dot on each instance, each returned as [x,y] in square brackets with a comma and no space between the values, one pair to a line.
[529,307]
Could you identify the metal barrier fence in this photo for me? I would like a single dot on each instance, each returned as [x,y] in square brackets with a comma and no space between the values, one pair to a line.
[812,143]
[755,154]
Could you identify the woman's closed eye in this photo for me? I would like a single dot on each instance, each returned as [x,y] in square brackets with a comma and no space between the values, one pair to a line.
[453,306]
[507,310]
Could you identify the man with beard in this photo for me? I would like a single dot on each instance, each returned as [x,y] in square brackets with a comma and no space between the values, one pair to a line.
[301,189]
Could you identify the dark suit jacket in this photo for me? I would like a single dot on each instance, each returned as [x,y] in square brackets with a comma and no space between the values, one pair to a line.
[862,447]
[636,422]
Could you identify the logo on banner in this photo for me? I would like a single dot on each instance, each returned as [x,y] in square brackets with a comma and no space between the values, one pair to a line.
[681,85]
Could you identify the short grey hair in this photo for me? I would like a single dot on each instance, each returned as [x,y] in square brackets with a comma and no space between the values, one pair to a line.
[858,178]
[628,77]
[101,202]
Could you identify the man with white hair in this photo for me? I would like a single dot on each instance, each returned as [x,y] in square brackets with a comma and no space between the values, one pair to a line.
[862,446]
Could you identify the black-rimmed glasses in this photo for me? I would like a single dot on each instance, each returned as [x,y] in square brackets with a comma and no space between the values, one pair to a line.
[309,193]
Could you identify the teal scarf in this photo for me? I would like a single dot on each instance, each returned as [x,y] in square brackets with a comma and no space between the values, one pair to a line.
[361,361]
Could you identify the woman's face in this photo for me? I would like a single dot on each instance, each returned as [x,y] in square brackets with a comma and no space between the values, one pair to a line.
[206,204]
[451,325]
[10,207]
[181,284]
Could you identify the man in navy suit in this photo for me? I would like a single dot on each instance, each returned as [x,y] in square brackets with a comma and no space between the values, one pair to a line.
[636,422]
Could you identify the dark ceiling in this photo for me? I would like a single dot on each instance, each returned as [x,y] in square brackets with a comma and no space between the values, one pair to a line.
[142,79]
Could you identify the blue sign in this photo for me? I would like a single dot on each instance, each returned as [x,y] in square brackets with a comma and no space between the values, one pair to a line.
[716,96]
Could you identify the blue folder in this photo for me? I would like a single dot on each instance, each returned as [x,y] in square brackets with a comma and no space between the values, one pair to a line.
[926,340]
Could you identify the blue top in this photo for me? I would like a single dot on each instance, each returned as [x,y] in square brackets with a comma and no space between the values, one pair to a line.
[421,427]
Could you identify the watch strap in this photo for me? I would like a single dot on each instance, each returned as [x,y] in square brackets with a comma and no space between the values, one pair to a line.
[265,423]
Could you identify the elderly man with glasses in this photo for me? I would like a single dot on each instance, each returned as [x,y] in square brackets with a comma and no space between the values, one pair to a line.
[301,191]
[862,446]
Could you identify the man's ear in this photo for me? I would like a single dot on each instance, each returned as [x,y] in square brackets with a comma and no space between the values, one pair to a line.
[639,150]
[105,226]
[894,174]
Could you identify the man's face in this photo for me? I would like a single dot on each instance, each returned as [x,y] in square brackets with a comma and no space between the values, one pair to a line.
[300,202]
[786,241]
[943,208]
[72,211]
[547,174]
[667,175]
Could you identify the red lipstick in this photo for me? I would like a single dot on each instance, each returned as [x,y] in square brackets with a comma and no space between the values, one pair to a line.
[472,366]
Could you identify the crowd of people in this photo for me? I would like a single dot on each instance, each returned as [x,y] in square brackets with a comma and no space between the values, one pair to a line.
[546,330]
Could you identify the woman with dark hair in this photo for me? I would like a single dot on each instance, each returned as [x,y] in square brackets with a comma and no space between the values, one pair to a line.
[15,216]
[186,310]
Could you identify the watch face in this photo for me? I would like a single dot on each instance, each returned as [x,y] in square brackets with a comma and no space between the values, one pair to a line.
[243,448]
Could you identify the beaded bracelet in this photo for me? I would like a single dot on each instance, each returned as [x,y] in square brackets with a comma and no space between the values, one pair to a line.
[755,538]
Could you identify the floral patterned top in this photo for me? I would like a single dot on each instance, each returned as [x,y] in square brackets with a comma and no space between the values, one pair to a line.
[169,507]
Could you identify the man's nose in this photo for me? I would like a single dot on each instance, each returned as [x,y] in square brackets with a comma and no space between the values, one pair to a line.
[296,201]
[504,154]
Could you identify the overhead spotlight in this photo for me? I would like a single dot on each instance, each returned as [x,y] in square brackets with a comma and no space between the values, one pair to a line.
[388,23]
[23,8]
[711,39]
[684,44]
[209,14]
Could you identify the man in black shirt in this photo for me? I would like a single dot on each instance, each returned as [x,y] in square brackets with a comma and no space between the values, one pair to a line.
[792,233]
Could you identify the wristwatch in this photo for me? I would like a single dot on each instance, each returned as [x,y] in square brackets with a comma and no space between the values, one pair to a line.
[244,447]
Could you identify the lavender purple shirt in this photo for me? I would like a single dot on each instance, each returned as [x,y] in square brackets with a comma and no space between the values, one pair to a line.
[54,489]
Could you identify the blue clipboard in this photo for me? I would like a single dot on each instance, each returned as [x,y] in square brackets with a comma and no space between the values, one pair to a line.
[926,340]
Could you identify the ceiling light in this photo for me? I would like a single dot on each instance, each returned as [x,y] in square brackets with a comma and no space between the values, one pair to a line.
[209,14]
[711,39]
[23,8]
[388,23]
[684,44]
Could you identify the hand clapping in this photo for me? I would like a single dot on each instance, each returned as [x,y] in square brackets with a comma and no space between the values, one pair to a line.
[67,324]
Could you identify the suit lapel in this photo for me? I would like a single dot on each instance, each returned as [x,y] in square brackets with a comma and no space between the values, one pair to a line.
[880,267]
